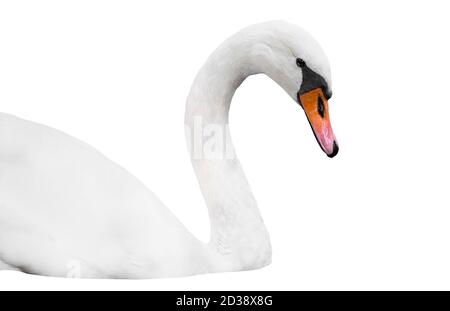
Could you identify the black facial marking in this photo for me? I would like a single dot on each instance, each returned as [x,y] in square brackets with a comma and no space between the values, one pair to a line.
[320,107]
[312,80]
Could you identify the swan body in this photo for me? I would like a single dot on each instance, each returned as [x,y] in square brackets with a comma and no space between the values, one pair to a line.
[62,202]
[68,211]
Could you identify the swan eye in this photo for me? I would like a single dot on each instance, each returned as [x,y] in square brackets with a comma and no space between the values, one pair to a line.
[320,107]
[301,63]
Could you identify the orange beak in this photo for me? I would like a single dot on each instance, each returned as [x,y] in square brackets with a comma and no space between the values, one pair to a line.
[315,105]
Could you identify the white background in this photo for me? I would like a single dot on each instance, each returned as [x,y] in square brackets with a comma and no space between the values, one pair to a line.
[116,74]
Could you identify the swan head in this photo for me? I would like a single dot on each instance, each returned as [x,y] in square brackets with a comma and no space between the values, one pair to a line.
[292,57]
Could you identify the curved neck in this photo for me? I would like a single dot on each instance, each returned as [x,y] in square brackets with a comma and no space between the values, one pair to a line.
[237,229]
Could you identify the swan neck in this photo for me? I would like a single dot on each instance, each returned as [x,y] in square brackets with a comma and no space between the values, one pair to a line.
[237,229]
[216,83]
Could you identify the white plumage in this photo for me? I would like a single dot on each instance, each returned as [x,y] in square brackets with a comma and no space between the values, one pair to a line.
[66,210]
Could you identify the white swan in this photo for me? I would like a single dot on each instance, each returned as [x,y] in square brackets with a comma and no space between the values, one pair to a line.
[66,210]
